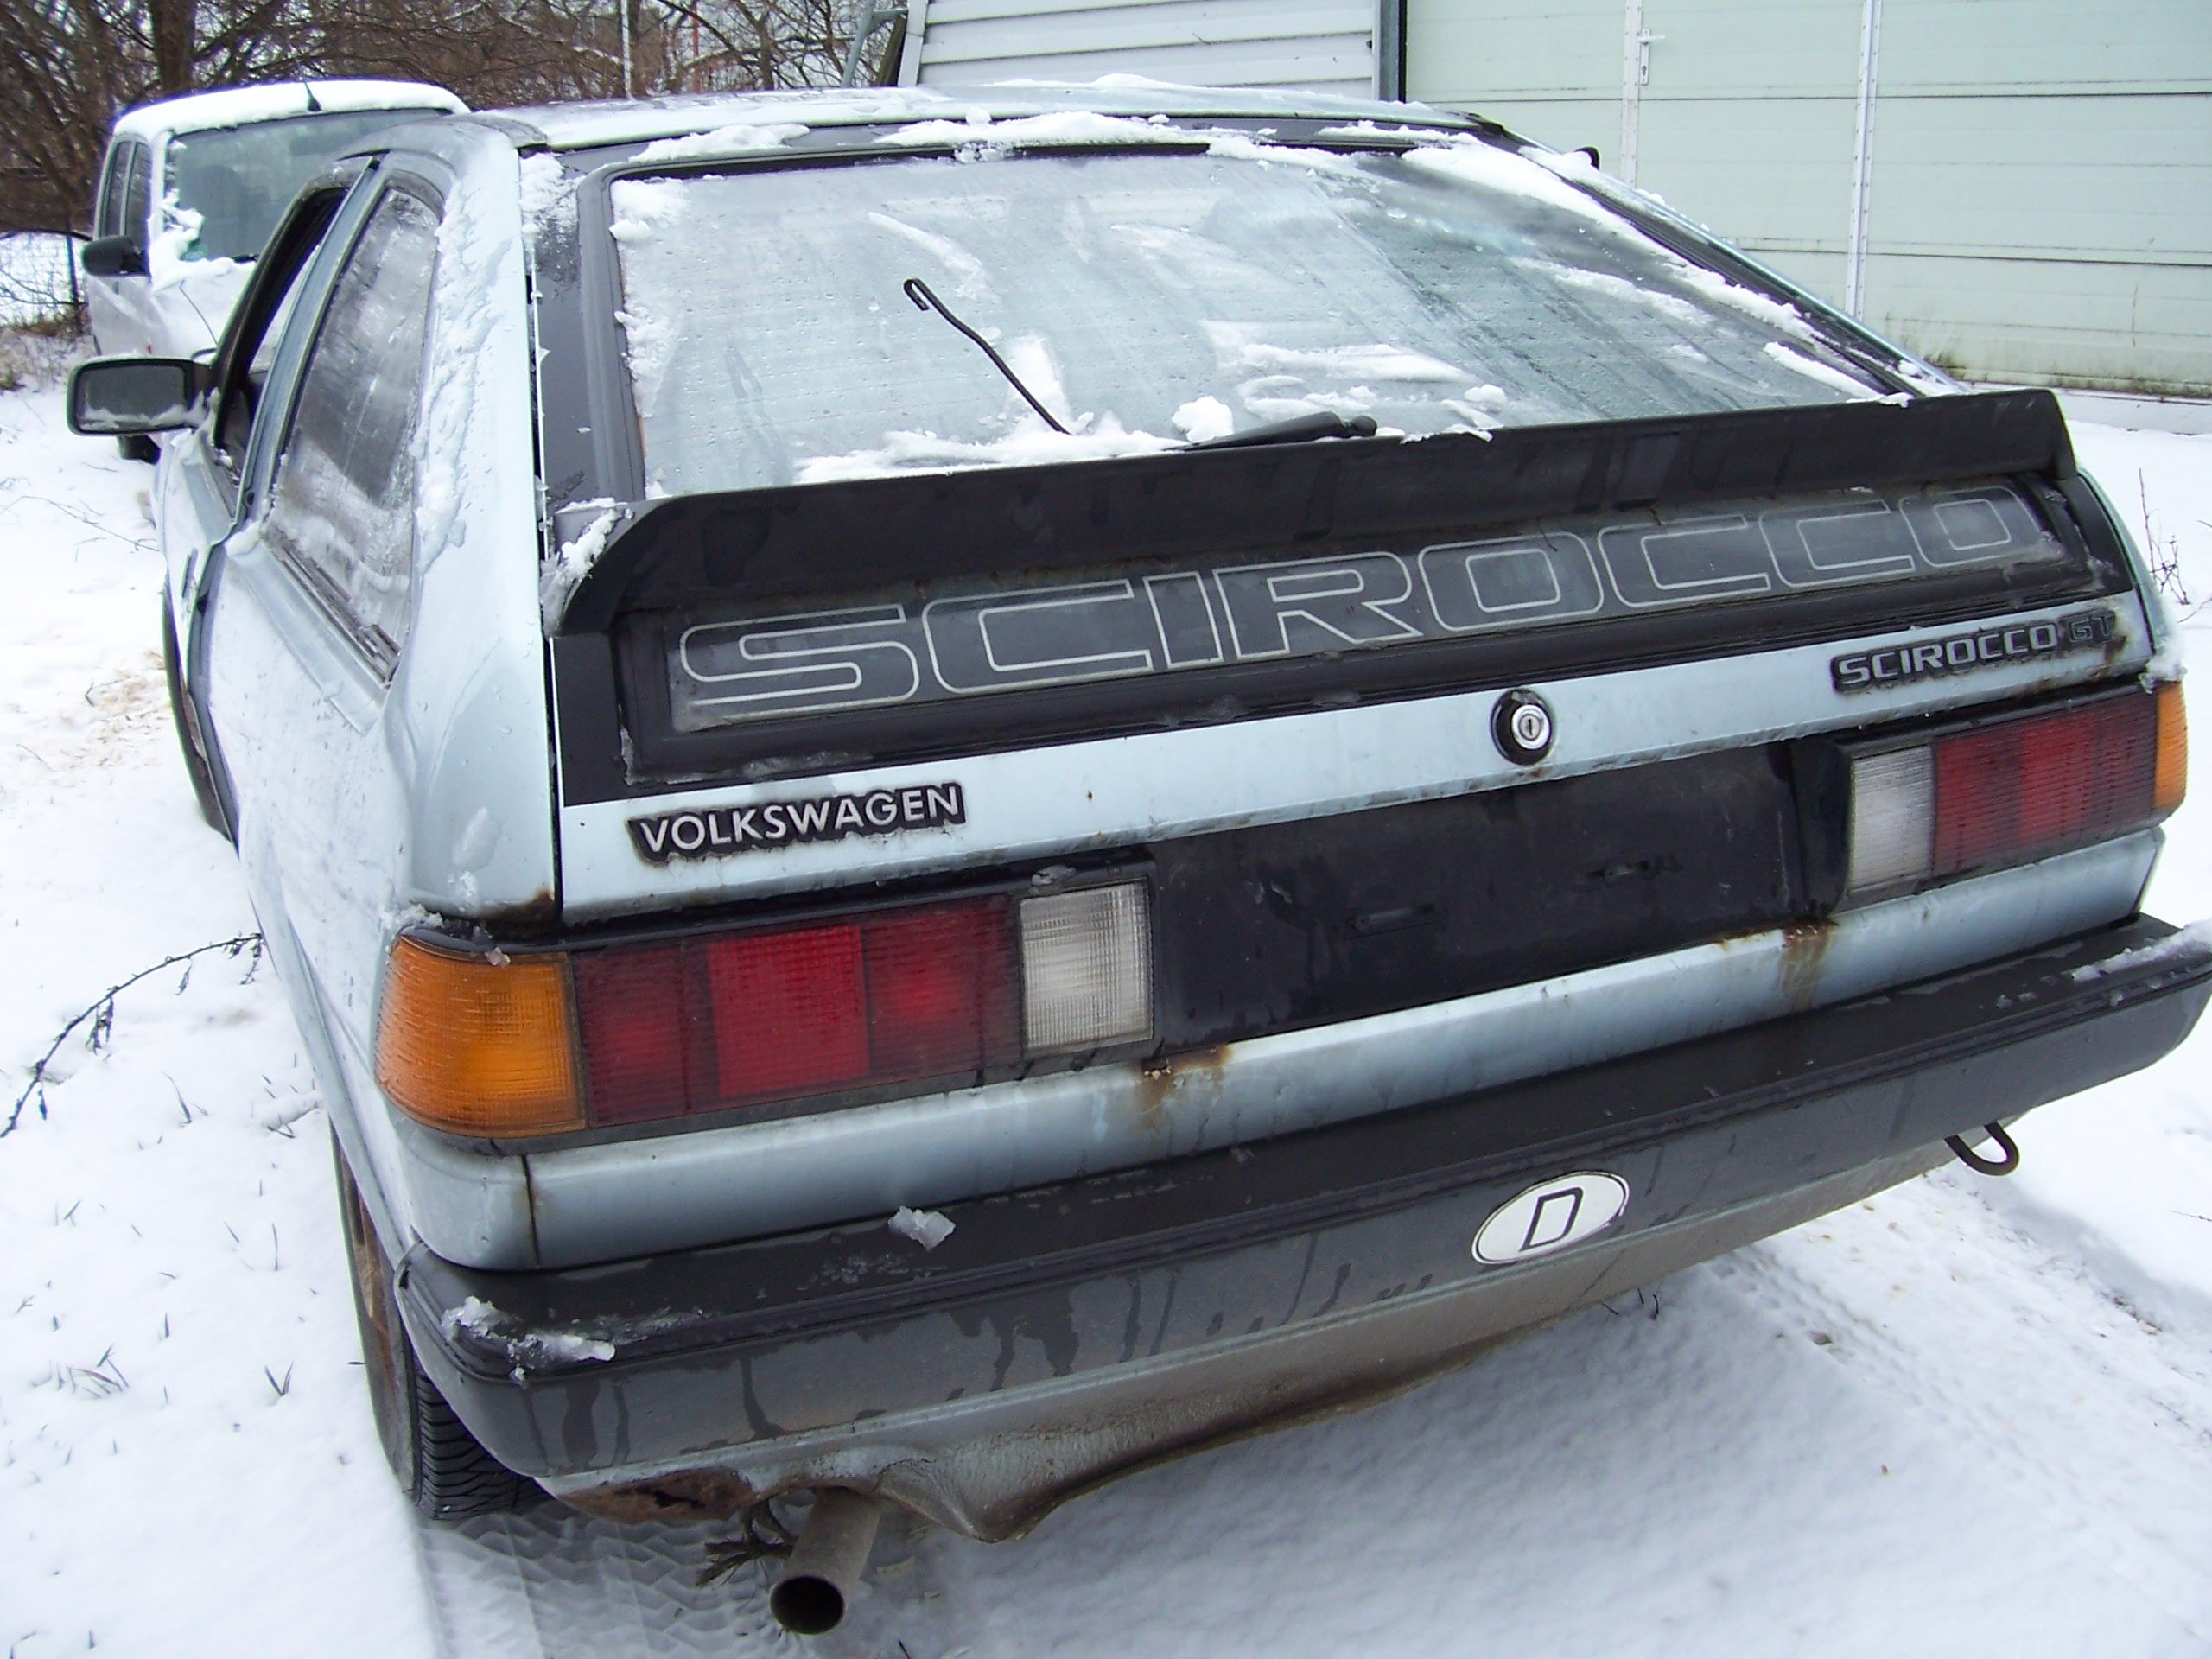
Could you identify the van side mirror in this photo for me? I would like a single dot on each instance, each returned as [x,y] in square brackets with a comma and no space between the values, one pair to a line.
[114,256]
[135,397]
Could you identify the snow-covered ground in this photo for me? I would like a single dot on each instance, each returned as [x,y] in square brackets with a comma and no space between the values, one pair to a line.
[1968,1417]
[34,276]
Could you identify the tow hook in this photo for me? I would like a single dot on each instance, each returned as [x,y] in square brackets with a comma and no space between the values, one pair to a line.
[2005,1163]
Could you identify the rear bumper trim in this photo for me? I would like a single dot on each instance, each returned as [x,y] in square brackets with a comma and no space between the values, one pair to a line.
[1238,1269]
[654,1193]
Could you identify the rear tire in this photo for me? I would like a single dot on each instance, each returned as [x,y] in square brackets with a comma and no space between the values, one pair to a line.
[196,764]
[442,1468]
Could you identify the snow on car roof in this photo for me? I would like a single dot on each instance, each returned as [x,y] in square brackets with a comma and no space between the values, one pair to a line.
[584,126]
[239,106]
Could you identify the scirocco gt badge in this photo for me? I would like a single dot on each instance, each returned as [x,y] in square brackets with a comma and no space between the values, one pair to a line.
[1862,670]
[717,831]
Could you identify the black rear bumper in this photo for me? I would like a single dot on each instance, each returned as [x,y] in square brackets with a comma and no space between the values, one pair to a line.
[1068,1311]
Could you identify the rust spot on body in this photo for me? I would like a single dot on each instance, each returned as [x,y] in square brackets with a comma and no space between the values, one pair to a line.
[1158,1079]
[536,920]
[1804,946]
[696,1495]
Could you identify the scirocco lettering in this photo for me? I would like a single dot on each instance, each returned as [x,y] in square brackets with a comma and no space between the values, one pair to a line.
[980,636]
[1863,671]
[718,831]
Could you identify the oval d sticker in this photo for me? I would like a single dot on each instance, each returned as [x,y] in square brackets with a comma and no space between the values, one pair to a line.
[1563,1210]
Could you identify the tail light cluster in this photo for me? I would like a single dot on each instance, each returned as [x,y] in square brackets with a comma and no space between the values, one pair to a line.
[2014,788]
[502,1045]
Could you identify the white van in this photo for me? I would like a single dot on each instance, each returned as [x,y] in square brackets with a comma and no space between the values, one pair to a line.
[190,187]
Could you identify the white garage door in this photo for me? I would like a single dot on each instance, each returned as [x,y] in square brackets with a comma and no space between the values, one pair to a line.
[1324,46]
[2035,200]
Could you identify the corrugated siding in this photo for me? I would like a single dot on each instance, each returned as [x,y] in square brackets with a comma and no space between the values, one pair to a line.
[1550,68]
[1324,46]
[2040,206]
[1533,54]
[1748,125]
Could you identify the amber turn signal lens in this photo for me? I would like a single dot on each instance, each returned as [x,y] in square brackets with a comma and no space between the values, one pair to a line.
[2171,782]
[478,1045]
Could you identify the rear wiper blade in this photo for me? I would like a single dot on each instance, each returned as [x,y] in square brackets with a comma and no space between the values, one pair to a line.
[1299,429]
[925,298]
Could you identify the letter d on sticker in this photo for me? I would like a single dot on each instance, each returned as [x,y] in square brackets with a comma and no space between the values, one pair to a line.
[1563,1210]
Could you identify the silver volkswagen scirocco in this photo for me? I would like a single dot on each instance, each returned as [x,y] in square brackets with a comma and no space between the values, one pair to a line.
[960,793]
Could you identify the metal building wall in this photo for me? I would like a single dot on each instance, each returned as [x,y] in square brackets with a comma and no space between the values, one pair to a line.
[1325,46]
[2029,181]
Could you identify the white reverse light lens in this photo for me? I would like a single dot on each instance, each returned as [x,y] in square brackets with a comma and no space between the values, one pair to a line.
[1892,818]
[1086,968]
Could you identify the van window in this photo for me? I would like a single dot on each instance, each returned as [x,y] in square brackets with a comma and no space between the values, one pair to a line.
[237,181]
[137,194]
[107,218]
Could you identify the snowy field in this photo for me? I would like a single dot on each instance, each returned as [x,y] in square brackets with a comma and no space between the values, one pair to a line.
[1966,1417]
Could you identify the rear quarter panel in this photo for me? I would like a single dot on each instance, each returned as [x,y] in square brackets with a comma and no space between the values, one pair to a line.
[433,794]
[468,723]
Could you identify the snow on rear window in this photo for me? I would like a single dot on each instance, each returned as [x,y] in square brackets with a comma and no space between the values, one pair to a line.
[1458,286]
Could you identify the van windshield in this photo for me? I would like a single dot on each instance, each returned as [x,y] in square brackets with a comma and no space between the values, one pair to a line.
[1152,295]
[238,180]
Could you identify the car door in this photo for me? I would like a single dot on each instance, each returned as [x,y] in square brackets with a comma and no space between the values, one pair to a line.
[306,602]
[198,489]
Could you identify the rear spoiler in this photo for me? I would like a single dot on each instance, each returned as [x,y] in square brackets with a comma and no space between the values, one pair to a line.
[875,533]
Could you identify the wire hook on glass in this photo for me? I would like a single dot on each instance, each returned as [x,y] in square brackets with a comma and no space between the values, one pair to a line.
[925,299]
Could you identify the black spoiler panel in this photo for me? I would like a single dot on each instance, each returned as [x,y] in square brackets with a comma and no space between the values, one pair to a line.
[771,633]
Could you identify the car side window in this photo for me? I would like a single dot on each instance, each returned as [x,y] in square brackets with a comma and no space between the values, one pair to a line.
[341,504]
[137,195]
[239,399]
[282,280]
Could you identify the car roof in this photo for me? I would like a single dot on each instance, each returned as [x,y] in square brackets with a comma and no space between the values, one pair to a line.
[592,125]
[239,106]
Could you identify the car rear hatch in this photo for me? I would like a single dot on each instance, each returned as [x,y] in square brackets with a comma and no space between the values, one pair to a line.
[1280,684]
[1067,808]
[786,660]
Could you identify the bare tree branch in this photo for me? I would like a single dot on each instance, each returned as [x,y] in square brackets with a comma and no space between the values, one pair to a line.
[68,67]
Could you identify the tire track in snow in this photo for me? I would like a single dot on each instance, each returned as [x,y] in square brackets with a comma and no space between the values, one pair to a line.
[1923,1294]
[552,1583]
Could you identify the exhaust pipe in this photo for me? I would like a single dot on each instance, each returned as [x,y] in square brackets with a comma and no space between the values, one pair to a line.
[826,1563]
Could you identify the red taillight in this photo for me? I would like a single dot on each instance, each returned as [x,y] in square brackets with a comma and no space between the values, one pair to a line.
[2014,788]
[789,1012]
[486,1044]
[703,1025]
[633,1009]
[941,990]
[2028,786]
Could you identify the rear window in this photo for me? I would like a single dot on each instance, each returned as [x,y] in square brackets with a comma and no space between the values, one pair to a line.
[1153,296]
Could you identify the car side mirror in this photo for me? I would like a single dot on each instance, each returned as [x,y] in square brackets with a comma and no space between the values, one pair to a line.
[1588,152]
[114,256]
[135,397]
